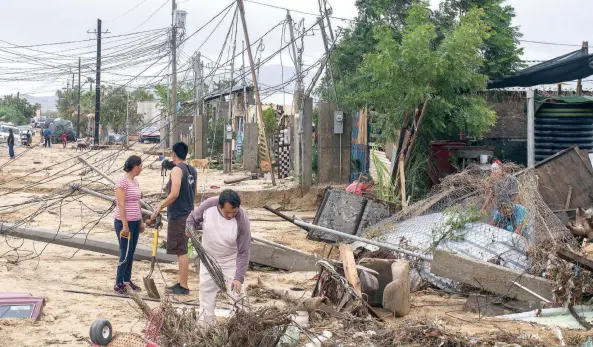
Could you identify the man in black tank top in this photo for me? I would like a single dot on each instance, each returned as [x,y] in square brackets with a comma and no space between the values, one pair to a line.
[180,203]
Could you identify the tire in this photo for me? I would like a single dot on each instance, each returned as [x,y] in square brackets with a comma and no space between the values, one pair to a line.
[101,332]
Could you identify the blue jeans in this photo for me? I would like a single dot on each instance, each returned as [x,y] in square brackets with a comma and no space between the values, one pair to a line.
[124,271]
[11,151]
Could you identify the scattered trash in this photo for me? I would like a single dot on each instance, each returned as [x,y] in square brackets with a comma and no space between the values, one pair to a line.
[318,340]
[20,305]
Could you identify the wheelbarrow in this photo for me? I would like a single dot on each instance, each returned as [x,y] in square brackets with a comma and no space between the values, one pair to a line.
[101,334]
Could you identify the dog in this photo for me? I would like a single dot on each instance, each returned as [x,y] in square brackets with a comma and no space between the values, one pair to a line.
[81,146]
[166,165]
[201,163]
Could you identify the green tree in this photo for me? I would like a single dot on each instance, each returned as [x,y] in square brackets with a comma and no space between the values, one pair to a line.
[404,74]
[16,109]
[501,51]
[270,122]
[116,105]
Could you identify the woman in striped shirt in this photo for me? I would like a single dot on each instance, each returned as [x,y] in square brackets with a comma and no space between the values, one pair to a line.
[128,222]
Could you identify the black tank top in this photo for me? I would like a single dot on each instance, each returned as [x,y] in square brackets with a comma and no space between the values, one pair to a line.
[184,204]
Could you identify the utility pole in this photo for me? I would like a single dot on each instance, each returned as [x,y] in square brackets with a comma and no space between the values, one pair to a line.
[228,141]
[329,23]
[327,52]
[585,46]
[262,133]
[127,118]
[245,105]
[199,131]
[296,106]
[299,80]
[98,84]
[78,116]
[173,126]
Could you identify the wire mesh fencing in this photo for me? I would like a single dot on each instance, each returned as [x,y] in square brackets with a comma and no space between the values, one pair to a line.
[495,215]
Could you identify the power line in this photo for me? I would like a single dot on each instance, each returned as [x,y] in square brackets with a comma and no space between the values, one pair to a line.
[149,17]
[87,40]
[298,11]
[128,11]
[548,43]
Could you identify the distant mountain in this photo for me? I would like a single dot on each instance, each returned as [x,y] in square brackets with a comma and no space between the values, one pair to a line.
[47,102]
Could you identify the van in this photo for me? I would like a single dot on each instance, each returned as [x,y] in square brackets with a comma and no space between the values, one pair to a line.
[4,134]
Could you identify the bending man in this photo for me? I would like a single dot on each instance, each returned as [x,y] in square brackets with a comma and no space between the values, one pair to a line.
[227,238]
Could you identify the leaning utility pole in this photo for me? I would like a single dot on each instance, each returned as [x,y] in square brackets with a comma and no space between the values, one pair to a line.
[329,76]
[98,84]
[260,112]
[173,126]
[299,78]
[78,116]
[329,23]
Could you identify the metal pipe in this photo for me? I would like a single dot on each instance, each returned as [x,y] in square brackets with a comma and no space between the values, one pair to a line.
[360,239]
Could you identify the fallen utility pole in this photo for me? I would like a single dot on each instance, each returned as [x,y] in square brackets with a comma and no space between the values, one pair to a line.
[490,277]
[94,168]
[88,191]
[260,112]
[264,252]
[82,242]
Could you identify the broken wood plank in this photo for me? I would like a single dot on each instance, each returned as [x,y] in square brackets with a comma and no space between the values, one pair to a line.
[237,180]
[431,202]
[489,277]
[402,178]
[572,257]
[350,271]
[568,196]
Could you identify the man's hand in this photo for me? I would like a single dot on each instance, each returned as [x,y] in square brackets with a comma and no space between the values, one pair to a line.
[156,212]
[142,226]
[236,286]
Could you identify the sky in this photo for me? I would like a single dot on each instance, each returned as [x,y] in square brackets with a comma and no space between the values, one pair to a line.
[33,22]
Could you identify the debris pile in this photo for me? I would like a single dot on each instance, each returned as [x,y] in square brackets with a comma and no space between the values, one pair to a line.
[494,216]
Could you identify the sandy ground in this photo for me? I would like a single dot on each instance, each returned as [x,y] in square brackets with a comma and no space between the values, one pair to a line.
[45,173]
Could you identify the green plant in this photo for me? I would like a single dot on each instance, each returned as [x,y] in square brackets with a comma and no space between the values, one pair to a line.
[384,182]
[455,219]
[270,122]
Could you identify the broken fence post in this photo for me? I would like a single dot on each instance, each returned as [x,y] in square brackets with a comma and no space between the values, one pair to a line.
[361,239]
[94,168]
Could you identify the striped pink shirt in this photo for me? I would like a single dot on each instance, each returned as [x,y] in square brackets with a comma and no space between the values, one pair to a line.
[132,200]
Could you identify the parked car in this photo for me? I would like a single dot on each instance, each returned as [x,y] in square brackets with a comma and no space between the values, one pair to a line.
[26,134]
[4,133]
[150,135]
[114,139]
